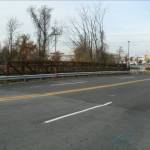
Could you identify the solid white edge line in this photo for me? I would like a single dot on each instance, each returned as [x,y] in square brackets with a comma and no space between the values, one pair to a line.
[75,113]
[68,83]
[128,77]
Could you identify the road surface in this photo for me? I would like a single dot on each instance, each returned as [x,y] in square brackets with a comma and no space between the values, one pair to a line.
[84,113]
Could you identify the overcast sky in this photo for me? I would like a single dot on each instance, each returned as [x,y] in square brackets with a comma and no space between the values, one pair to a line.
[124,21]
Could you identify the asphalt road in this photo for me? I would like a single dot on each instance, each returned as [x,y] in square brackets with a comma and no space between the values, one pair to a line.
[88,113]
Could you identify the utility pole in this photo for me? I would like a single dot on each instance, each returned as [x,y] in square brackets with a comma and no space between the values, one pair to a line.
[56,32]
[128,54]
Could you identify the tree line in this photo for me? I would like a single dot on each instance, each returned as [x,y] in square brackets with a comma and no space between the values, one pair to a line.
[86,35]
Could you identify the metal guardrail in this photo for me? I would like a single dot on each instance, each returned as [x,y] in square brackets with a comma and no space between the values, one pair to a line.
[57,75]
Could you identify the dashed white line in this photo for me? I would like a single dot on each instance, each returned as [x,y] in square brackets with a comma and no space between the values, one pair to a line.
[75,113]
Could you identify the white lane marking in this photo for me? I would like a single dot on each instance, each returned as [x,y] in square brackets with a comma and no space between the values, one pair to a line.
[37,86]
[68,83]
[128,77]
[75,113]
[112,95]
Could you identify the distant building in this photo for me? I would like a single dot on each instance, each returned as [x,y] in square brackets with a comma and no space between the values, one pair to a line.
[120,59]
[63,57]
[67,57]
[147,58]
[137,60]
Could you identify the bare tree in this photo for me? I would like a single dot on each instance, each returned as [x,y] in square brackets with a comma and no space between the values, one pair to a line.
[27,48]
[120,52]
[42,18]
[88,34]
[12,26]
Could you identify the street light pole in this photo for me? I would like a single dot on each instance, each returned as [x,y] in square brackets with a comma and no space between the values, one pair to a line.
[128,54]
